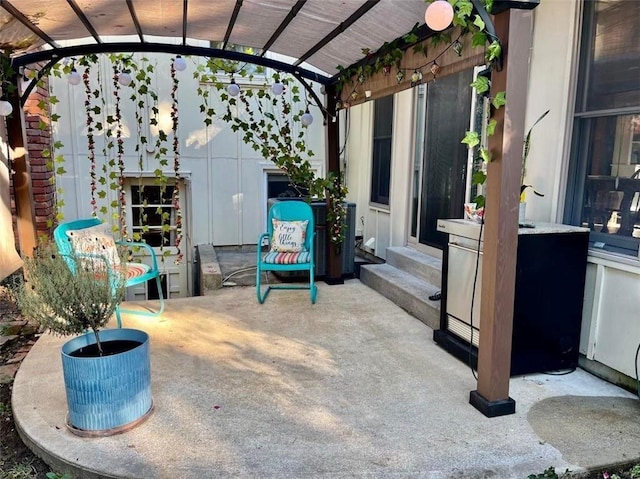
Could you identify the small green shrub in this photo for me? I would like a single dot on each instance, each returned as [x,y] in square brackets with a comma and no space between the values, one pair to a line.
[549,473]
[23,470]
[55,475]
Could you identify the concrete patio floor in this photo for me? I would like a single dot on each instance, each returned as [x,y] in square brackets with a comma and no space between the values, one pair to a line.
[352,386]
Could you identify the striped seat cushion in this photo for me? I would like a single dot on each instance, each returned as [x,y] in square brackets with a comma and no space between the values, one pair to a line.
[133,270]
[286,258]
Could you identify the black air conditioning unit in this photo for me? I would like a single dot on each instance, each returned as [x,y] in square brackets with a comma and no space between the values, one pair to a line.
[319,209]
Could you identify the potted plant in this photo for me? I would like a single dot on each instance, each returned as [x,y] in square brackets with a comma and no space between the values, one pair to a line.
[525,155]
[107,373]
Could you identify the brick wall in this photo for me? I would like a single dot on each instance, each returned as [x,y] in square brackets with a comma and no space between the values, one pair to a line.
[39,140]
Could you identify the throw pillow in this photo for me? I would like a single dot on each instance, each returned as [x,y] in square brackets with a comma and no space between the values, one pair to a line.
[98,241]
[288,236]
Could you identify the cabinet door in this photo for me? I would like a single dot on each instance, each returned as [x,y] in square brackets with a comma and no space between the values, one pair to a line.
[460,279]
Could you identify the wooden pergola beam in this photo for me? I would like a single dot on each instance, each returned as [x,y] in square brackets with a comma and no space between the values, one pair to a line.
[23,194]
[514,28]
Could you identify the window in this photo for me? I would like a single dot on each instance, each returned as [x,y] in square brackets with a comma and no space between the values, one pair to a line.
[604,188]
[382,134]
[151,207]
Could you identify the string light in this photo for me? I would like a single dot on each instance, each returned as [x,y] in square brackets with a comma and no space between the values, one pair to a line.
[457,47]
[74,78]
[306,118]
[277,88]
[439,15]
[124,78]
[416,72]
[180,64]
[6,108]
[232,88]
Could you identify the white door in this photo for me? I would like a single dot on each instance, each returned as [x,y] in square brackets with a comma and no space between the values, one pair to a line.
[151,217]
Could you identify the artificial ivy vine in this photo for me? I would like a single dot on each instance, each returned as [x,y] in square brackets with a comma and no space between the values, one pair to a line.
[392,53]
[271,125]
[90,110]
[176,157]
[121,204]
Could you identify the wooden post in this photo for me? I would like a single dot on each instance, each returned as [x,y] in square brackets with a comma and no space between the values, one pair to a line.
[23,195]
[513,27]
[334,258]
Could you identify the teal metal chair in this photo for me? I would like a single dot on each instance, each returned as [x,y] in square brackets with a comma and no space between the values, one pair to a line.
[288,215]
[134,273]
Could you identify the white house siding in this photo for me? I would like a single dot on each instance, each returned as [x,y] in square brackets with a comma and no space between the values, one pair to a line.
[552,74]
[386,224]
[226,180]
[610,328]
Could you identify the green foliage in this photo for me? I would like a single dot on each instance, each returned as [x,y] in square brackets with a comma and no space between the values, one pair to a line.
[22,470]
[499,100]
[471,139]
[549,473]
[481,84]
[271,125]
[68,302]
[55,475]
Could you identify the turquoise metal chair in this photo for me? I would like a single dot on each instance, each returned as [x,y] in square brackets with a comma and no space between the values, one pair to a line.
[134,273]
[303,260]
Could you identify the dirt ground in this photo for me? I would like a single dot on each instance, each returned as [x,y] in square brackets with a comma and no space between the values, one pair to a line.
[16,460]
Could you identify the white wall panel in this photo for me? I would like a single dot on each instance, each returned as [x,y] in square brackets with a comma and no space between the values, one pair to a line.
[619,334]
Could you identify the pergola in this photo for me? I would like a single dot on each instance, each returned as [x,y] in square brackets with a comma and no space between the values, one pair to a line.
[316,36]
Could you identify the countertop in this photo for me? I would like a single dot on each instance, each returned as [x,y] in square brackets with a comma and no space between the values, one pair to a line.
[470,229]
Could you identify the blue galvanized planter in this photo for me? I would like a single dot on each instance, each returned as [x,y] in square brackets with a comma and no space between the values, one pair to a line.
[108,394]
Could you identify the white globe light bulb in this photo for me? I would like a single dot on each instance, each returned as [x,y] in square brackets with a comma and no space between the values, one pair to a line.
[124,79]
[306,119]
[439,15]
[233,89]
[180,64]
[5,108]
[277,88]
[74,77]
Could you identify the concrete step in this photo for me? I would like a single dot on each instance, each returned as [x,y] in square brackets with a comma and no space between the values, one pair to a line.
[420,265]
[405,290]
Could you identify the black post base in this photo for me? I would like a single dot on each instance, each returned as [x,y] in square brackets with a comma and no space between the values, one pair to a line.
[334,281]
[502,407]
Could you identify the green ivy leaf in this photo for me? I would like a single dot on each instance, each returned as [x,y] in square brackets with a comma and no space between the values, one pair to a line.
[464,7]
[500,100]
[478,22]
[481,84]
[471,139]
[491,127]
[485,155]
[479,39]
[494,51]
[478,178]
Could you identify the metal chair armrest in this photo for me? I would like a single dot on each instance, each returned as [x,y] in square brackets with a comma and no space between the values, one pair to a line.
[138,244]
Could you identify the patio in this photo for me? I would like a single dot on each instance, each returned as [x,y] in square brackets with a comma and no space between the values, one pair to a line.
[350,387]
